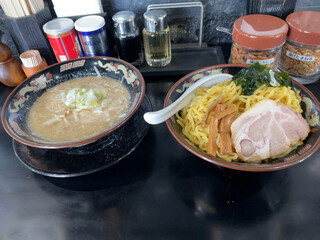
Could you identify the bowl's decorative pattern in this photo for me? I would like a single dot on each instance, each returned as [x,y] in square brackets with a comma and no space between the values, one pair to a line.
[128,75]
[16,108]
[186,84]
[23,95]
[310,104]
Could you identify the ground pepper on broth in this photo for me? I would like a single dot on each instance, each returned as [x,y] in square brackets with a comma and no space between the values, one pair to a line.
[78,109]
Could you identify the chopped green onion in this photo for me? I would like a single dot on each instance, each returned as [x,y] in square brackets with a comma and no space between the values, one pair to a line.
[81,98]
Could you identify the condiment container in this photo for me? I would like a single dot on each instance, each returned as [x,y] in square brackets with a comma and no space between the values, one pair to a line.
[300,56]
[127,37]
[258,38]
[92,34]
[63,38]
[11,73]
[156,38]
[32,62]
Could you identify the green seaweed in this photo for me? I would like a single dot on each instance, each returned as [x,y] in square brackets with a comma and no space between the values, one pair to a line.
[256,75]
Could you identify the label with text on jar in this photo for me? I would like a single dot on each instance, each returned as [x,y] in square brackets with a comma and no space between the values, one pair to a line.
[262,62]
[299,57]
[63,58]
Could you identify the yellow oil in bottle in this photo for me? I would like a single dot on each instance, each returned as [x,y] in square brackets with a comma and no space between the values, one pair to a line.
[157,47]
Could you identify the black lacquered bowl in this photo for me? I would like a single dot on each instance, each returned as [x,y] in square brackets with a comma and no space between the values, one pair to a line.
[310,145]
[16,108]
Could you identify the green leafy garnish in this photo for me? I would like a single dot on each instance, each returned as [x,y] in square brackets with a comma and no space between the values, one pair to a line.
[81,98]
[254,76]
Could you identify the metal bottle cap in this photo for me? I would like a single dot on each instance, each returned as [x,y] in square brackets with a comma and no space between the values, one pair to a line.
[124,23]
[155,20]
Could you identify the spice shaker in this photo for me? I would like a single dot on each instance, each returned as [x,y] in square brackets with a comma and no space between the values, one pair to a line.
[258,38]
[300,56]
[156,38]
[127,37]
[93,36]
[63,39]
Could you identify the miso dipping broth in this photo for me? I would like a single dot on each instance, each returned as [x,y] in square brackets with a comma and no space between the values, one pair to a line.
[78,109]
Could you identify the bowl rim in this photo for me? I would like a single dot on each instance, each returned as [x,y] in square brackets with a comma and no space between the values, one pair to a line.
[78,143]
[235,165]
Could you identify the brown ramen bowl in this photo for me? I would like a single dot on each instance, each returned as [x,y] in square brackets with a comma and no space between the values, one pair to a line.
[309,146]
[19,102]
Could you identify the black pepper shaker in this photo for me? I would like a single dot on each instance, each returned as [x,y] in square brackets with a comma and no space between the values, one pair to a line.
[127,38]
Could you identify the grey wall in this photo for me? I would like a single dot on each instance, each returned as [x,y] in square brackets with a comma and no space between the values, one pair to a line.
[308,5]
[184,23]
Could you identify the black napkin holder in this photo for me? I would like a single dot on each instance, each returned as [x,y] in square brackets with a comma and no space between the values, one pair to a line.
[27,33]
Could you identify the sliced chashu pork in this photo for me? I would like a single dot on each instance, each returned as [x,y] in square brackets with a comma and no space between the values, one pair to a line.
[266,130]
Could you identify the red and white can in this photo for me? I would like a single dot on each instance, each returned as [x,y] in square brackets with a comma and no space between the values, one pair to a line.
[63,38]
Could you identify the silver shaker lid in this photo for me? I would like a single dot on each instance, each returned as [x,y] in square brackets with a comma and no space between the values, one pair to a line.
[124,22]
[155,20]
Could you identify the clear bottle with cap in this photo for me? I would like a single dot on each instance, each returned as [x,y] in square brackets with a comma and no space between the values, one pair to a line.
[156,38]
[258,38]
[300,56]
[127,38]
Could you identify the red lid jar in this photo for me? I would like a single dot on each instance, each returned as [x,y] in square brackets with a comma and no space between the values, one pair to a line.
[258,37]
[300,56]
[304,28]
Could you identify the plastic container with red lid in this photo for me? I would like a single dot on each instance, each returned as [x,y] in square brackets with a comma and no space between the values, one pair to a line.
[300,56]
[258,37]
[63,38]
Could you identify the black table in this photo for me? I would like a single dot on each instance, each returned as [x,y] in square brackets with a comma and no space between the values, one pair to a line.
[160,191]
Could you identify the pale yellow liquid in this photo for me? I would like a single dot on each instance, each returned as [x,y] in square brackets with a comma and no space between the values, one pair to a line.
[157,47]
[77,125]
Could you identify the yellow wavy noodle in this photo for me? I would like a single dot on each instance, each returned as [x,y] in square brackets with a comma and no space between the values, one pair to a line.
[190,117]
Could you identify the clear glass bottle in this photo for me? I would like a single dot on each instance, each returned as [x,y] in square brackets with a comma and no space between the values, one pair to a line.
[243,55]
[300,56]
[127,38]
[156,38]
[258,38]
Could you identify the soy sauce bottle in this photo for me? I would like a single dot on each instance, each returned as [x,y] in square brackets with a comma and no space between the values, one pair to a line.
[127,38]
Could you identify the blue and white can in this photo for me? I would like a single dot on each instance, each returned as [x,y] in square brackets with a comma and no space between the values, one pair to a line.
[92,34]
